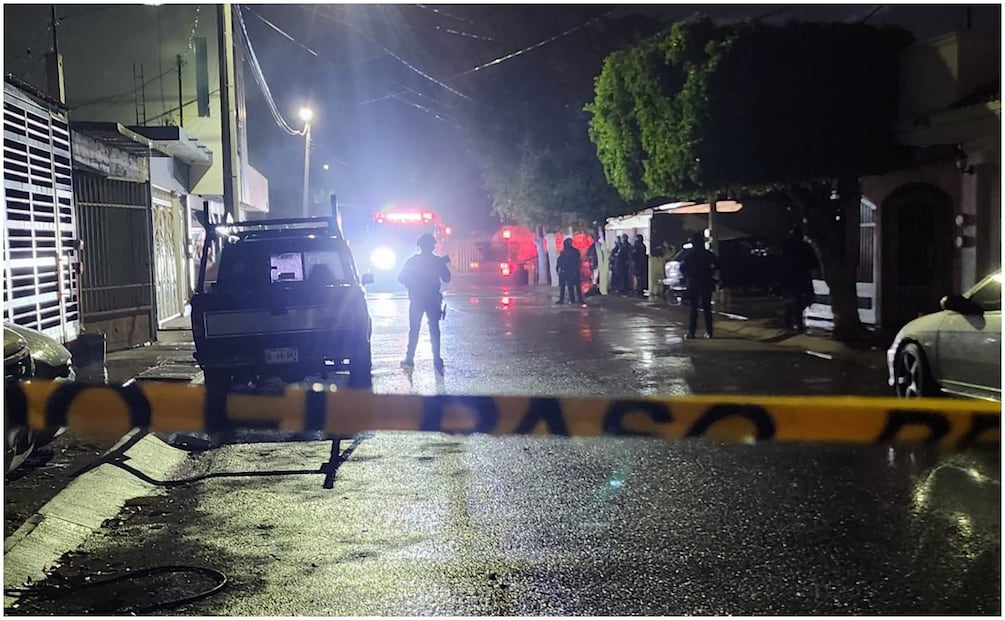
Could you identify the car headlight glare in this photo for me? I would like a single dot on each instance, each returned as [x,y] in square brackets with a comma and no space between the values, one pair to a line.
[383,258]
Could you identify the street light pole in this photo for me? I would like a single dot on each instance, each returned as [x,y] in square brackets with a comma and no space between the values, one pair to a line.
[306,115]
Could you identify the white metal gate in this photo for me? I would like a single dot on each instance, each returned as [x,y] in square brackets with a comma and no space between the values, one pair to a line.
[819,313]
[168,249]
[40,227]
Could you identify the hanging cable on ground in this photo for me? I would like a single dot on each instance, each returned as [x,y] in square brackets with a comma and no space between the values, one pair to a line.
[53,592]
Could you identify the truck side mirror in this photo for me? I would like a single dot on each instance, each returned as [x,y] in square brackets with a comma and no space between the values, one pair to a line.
[367,278]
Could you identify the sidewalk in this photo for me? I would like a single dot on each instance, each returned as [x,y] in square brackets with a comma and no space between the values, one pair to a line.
[761,323]
[168,359]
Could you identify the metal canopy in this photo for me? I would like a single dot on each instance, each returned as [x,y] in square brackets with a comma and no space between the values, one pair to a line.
[120,137]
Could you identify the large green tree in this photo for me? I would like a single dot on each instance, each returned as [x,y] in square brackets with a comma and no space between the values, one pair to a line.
[799,111]
[528,129]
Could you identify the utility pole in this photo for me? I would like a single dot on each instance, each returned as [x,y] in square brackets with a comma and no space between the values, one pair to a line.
[307,168]
[225,36]
[181,96]
[54,66]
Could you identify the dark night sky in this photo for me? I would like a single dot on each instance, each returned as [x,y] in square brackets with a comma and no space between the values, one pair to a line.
[389,150]
[392,150]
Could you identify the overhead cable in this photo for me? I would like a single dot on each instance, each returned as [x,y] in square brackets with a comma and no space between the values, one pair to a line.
[256,72]
[501,59]
[280,31]
[396,57]
[439,12]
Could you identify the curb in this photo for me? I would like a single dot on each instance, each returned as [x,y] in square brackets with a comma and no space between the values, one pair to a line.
[67,520]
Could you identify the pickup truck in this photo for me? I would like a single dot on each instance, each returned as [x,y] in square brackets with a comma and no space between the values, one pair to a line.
[287,303]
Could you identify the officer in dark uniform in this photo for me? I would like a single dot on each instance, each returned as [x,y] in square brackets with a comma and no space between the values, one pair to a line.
[422,275]
[640,265]
[799,261]
[568,273]
[698,266]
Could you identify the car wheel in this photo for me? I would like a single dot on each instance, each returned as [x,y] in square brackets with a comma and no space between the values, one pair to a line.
[911,373]
[360,367]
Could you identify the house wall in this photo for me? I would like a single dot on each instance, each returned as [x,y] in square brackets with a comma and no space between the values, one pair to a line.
[106,47]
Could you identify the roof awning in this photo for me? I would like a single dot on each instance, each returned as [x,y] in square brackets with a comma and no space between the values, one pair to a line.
[122,138]
[691,208]
[178,143]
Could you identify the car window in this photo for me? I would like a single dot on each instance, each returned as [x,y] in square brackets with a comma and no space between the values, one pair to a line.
[989,295]
[254,266]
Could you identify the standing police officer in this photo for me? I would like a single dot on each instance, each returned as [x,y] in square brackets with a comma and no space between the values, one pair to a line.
[698,266]
[421,275]
[568,264]
[799,261]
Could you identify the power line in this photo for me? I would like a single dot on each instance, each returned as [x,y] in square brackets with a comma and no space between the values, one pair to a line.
[537,45]
[256,71]
[280,31]
[177,108]
[427,110]
[871,13]
[396,57]
[501,59]
[439,12]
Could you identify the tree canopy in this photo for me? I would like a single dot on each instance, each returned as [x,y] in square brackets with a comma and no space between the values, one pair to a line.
[529,130]
[802,110]
[746,108]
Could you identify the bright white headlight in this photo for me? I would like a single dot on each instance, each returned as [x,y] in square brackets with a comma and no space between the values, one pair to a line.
[383,258]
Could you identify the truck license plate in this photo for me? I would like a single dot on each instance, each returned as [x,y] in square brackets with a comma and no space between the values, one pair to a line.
[284,355]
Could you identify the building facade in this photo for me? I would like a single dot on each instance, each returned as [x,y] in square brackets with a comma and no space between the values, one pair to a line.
[939,221]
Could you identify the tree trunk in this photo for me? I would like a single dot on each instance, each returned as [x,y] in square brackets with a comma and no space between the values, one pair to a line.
[832,226]
[543,268]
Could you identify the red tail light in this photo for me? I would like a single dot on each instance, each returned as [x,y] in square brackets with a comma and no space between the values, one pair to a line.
[506,269]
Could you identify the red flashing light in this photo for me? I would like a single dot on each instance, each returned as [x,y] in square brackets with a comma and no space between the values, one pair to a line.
[506,269]
[507,234]
[427,217]
[505,301]
[448,231]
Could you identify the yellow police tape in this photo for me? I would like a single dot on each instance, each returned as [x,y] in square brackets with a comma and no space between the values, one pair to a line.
[166,408]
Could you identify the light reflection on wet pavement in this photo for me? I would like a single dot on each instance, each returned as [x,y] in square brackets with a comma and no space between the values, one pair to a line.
[518,342]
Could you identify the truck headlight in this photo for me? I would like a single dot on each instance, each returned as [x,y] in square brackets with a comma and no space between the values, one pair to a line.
[383,258]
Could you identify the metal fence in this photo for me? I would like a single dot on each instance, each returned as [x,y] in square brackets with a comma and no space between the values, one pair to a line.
[115,227]
[40,288]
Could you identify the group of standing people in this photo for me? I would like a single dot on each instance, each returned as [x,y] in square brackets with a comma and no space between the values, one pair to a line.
[627,260]
[423,273]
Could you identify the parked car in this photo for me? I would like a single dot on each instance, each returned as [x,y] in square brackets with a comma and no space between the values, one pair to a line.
[956,351]
[29,354]
[748,265]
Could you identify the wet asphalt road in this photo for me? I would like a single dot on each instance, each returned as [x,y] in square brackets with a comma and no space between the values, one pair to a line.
[500,341]
[420,524]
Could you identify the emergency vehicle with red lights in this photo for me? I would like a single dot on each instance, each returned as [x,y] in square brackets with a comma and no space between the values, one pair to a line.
[389,239]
